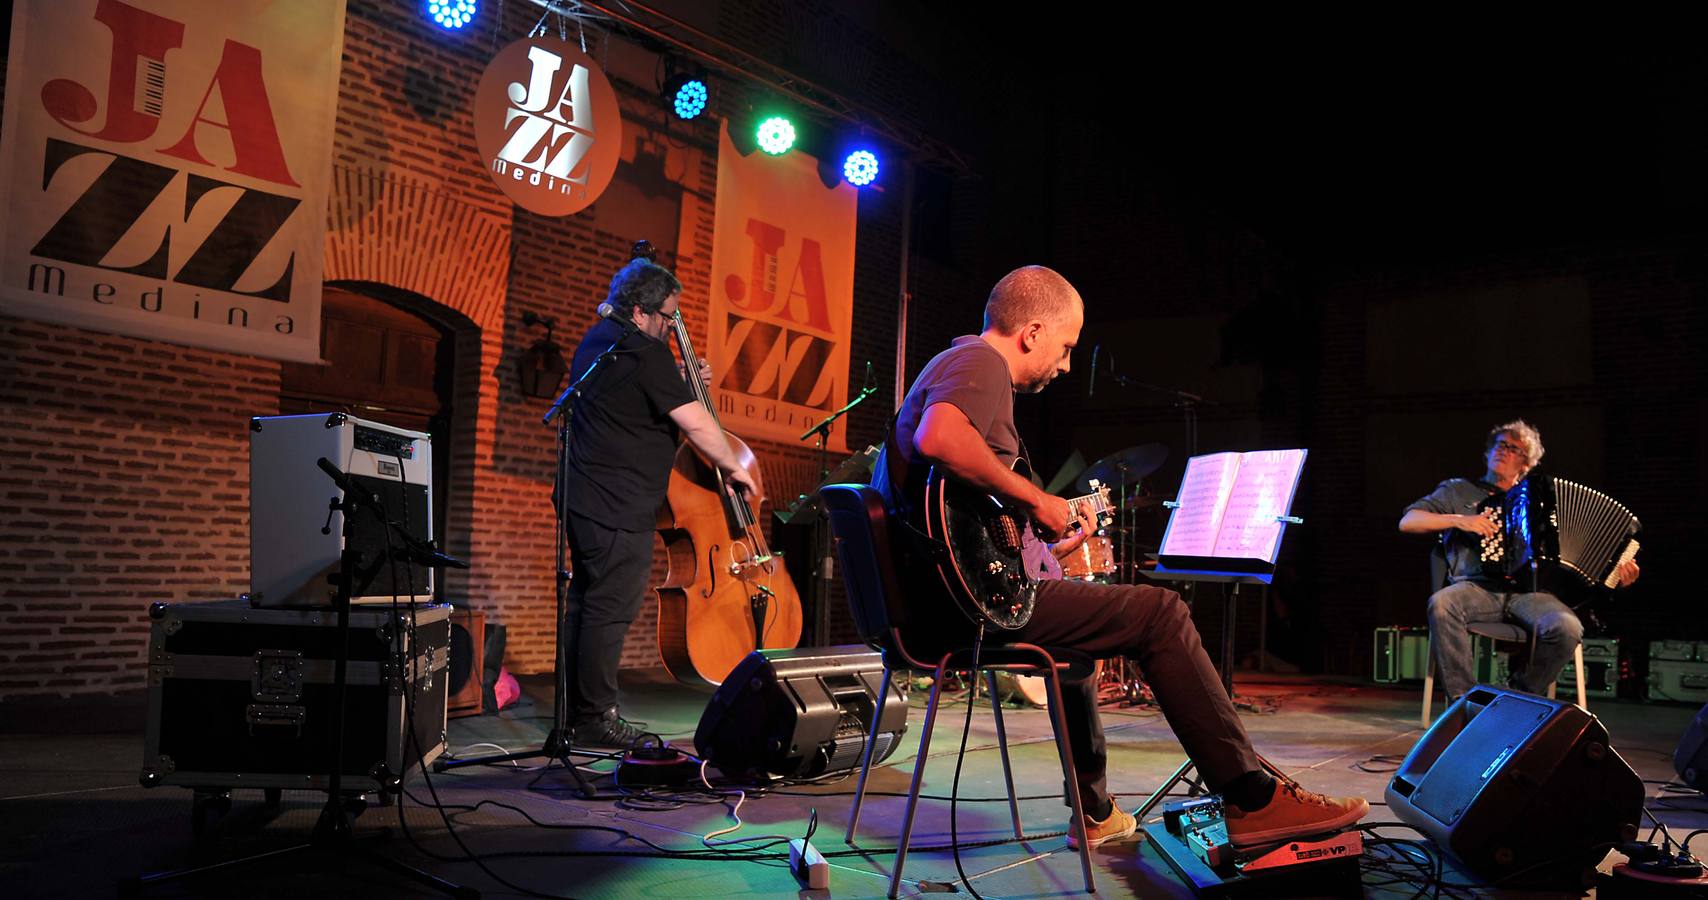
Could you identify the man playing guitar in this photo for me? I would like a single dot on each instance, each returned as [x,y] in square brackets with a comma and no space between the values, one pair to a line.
[959,417]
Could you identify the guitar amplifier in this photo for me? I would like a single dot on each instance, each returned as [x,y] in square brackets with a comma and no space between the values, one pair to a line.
[294,539]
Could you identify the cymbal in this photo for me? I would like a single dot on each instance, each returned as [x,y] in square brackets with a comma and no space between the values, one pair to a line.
[1127,466]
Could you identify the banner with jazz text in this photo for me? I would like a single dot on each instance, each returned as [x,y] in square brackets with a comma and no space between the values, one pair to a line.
[165,167]
[782,304]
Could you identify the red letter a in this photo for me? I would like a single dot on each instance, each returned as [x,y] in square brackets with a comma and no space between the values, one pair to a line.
[248,116]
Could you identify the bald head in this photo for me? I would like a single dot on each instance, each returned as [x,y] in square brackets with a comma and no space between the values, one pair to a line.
[1029,294]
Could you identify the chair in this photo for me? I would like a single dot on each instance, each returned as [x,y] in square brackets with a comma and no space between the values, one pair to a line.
[1492,631]
[859,525]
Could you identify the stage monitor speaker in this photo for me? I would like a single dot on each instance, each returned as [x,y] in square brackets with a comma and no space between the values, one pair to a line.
[1524,791]
[800,713]
[1691,758]
[293,542]
[468,649]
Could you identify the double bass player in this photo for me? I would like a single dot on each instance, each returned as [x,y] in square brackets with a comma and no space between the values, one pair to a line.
[623,440]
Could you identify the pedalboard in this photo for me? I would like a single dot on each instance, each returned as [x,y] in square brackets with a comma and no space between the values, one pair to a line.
[1193,838]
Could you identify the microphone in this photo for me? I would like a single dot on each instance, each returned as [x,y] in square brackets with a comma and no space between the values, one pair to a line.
[1091,383]
[607,311]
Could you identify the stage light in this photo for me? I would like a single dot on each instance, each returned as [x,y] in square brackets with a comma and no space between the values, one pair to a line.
[860,168]
[451,14]
[687,95]
[776,135]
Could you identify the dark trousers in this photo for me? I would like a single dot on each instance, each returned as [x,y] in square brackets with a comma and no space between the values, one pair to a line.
[1154,626]
[610,572]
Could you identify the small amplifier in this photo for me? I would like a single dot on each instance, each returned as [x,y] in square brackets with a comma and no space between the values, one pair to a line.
[295,540]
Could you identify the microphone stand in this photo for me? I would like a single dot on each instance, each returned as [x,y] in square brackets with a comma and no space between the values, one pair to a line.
[820,534]
[558,742]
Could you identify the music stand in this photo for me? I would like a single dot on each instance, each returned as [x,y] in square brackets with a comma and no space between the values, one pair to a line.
[1233,571]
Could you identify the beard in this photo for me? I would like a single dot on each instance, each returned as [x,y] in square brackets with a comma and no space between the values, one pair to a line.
[1037,383]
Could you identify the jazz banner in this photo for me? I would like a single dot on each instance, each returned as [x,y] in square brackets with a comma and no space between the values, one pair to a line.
[782,304]
[165,167]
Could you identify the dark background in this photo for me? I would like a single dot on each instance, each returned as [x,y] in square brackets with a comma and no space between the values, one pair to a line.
[1376,248]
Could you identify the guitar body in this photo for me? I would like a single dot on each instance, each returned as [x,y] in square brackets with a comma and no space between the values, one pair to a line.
[985,569]
[710,617]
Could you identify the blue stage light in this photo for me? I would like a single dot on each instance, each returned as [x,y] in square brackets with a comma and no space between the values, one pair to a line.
[860,168]
[689,98]
[451,14]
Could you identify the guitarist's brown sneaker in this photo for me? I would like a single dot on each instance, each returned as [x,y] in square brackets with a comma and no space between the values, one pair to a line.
[1099,832]
[1292,813]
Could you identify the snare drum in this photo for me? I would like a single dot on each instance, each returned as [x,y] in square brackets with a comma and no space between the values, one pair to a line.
[1092,559]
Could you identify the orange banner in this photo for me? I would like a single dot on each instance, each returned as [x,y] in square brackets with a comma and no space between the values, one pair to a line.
[782,304]
[165,168]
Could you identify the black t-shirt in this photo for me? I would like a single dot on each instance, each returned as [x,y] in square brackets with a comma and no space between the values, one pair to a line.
[622,441]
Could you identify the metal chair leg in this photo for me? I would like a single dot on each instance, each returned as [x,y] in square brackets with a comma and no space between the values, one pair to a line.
[866,761]
[918,776]
[1002,747]
[1428,679]
[1577,663]
[1059,722]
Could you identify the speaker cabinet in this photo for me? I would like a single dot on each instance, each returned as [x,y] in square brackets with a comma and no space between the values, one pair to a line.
[800,713]
[468,650]
[1522,790]
[289,553]
[1690,760]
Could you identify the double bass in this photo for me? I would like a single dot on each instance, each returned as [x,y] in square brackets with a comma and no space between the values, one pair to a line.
[726,593]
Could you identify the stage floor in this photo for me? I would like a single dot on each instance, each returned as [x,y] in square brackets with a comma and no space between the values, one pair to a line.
[74,822]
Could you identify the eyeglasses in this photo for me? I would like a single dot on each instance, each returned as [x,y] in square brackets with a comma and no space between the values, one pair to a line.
[1510,447]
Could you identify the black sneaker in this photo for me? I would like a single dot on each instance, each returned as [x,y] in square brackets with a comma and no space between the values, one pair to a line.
[609,731]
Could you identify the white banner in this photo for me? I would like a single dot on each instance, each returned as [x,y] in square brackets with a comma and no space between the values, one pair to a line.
[165,168]
[782,304]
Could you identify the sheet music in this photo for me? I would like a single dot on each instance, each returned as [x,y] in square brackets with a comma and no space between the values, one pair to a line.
[1261,492]
[1204,492]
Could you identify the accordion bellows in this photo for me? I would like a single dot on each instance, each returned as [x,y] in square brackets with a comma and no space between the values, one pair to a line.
[1560,524]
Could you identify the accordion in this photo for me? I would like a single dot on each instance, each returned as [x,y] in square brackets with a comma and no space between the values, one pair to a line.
[1549,525]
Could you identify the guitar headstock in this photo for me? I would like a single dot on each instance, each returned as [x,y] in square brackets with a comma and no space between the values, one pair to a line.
[1099,498]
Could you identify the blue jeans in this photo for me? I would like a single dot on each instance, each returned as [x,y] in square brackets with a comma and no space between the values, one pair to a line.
[1555,627]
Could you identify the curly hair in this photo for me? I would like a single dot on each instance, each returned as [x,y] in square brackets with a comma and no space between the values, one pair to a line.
[642,285]
[1526,434]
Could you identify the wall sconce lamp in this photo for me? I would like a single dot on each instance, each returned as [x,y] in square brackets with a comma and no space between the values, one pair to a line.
[541,368]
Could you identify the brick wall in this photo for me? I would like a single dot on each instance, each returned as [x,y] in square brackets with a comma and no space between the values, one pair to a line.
[125,476]
[126,481]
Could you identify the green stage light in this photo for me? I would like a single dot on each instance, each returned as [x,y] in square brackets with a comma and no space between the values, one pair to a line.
[776,135]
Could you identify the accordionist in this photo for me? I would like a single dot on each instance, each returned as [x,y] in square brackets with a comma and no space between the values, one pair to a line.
[1478,587]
